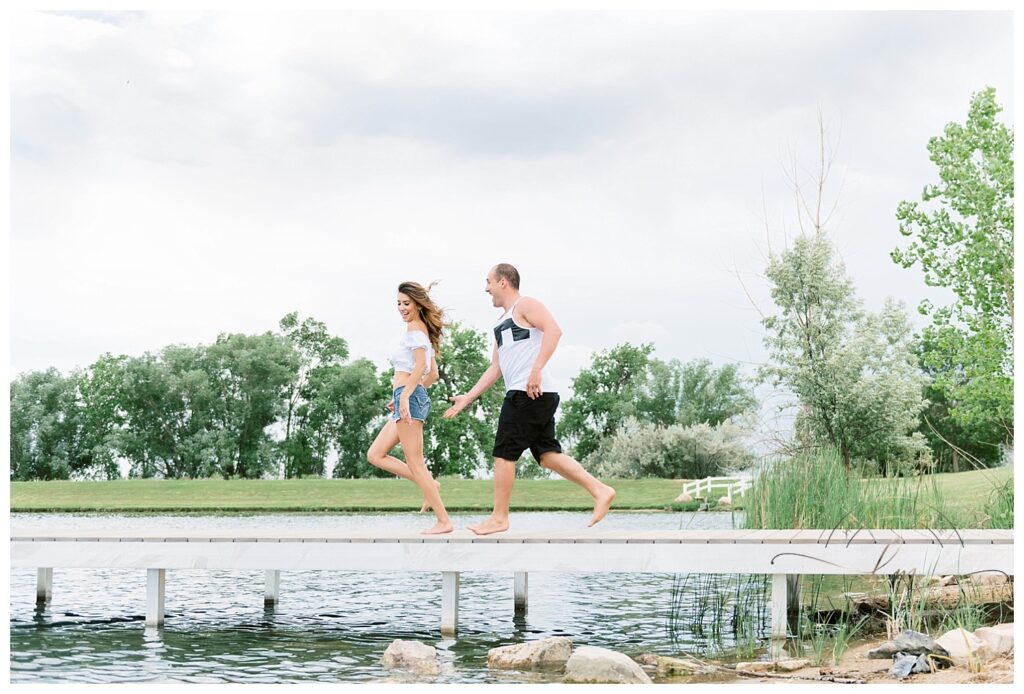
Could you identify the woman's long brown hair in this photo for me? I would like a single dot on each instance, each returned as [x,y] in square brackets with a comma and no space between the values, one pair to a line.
[430,313]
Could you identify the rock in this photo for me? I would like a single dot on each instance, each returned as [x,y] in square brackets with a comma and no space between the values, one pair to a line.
[413,655]
[650,659]
[964,647]
[725,501]
[684,498]
[756,666]
[999,638]
[909,641]
[679,666]
[599,665]
[792,664]
[534,655]
[902,664]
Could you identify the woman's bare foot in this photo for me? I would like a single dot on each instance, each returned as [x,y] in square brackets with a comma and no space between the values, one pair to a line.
[438,529]
[602,502]
[491,525]
[426,507]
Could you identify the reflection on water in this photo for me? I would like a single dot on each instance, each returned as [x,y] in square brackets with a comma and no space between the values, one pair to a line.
[329,626]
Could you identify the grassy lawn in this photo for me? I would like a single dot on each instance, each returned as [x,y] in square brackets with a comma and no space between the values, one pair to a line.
[967,490]
[322,495]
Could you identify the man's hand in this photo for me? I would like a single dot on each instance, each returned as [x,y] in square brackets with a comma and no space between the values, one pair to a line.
[461,401]
[533,384]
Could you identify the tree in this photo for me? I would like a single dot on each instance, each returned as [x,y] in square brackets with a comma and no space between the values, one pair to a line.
[711,395]
[855,374]
[252,376]
[673,452]
[310,406]
[461,445]
[45,426]
[169,410]
[604,395]
[357,397]
[964,242]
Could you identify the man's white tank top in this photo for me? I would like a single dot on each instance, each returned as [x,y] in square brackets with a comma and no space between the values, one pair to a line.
[518,348]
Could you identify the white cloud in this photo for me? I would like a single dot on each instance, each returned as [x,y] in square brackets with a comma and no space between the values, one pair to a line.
[179,175]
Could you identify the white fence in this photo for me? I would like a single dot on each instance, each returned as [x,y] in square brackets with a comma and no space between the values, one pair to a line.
[733,486]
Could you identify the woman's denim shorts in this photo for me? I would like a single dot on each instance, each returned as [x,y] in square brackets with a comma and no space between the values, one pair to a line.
[419,403]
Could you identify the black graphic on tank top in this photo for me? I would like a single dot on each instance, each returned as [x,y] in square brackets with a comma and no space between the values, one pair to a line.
[518,333]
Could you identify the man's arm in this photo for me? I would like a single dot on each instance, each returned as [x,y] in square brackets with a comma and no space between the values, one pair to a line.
[487,379]
[536,314]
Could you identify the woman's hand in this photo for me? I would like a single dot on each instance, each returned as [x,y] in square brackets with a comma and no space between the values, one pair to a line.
[403,409]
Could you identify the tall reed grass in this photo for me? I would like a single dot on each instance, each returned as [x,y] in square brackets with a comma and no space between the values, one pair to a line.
[812,490]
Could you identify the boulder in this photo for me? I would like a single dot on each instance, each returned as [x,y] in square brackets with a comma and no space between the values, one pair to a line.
[788,665]
[909,642]
[412,655]
[999,638]
[684,498]
[534,655]
[964,647]
[792,664]
[725,501]
[599,665]
[679,666]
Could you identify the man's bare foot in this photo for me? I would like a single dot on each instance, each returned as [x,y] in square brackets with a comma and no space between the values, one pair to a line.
[438,529]
[602,503]
[491,525]
[426,507]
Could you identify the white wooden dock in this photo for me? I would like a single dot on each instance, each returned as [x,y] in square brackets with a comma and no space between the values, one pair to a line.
[781,553]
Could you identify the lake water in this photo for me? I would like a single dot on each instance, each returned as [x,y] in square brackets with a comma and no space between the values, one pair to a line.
[329,626]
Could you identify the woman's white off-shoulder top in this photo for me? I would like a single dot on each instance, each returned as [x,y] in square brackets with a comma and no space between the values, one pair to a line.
[403,360]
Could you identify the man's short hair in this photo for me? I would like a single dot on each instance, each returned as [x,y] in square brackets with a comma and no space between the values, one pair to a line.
[507,272]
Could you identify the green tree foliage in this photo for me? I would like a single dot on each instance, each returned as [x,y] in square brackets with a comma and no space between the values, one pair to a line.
[46,426]
[311,407]
[604,395]
[358,396]
[854,374]
[675,452]
[628,382]
[252,376]
[463,444]
[962,239]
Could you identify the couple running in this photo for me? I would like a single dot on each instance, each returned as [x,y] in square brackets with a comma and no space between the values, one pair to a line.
[525,337]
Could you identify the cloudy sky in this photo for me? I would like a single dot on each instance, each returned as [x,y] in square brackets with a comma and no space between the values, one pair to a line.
[175,176]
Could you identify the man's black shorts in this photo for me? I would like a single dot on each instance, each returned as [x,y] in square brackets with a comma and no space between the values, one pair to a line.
[526,423]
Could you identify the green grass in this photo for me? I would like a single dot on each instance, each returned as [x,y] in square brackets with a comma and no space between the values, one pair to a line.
[210,496]
[812,490]
[323,495]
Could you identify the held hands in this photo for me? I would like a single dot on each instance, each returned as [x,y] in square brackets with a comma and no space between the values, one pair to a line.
[533,384]
[460,404]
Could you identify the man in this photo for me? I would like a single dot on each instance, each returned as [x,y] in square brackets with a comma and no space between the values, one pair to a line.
[524,340]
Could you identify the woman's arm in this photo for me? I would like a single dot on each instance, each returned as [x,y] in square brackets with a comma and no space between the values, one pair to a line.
[431,378]
[420,355]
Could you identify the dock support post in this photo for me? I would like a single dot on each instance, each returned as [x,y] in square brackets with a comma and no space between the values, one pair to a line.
[519,591]
[272,588]
[44,586]
[793,602]
[155,582]
[449,602]
[779,605]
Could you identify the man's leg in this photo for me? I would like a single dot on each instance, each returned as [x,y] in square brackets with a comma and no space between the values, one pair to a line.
[504,478]
[574,472]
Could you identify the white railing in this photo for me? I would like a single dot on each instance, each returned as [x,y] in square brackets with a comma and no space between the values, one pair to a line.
[733,486]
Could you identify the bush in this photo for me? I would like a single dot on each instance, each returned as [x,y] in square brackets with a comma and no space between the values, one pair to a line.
[674,452]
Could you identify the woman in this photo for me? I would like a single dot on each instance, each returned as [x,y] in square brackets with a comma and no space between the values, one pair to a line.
[415,364]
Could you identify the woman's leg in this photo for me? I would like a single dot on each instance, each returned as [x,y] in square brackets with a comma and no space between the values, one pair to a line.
[378,455]
[411,436]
